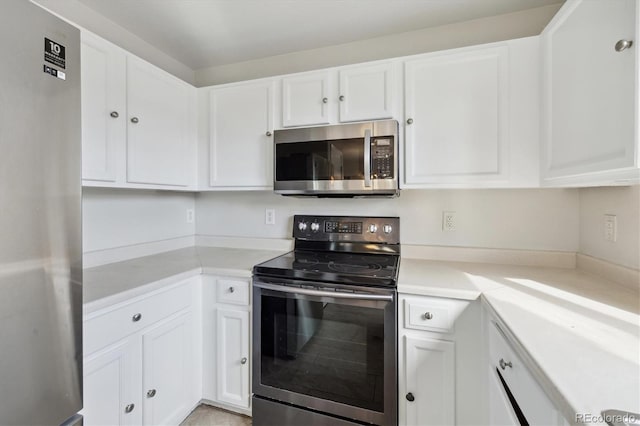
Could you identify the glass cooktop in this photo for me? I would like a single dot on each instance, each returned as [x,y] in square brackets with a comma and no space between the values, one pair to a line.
[337,267]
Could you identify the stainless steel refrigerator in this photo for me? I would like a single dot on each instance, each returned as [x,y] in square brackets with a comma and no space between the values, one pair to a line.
[40,218]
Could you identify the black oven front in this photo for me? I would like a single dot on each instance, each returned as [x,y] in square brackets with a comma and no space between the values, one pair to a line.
[326,348]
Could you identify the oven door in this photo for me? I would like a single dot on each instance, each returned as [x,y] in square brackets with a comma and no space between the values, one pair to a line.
[322,347]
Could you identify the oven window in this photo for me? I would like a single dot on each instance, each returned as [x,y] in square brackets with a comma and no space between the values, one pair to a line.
[325,350]
[321,160]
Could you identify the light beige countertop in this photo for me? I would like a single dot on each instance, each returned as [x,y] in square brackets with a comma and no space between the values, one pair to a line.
[108,284]
[580,332]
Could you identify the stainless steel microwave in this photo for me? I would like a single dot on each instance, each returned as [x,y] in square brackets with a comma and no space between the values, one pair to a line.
[358,159]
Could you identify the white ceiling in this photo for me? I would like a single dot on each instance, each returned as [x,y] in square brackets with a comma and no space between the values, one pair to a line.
[205,33]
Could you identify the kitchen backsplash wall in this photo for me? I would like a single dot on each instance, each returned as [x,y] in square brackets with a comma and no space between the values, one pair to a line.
[538,219]
[119,217]
[624,203]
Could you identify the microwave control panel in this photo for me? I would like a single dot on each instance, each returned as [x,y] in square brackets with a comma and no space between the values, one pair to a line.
[382,158]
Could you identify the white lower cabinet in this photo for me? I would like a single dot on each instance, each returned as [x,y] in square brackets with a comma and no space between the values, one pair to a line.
[507,372]
[167,358]
[429,379]
[232,341]
[147,375]
[439,377]
[226,338]
[113,385]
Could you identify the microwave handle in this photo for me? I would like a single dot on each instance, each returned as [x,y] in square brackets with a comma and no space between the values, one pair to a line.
[367,158]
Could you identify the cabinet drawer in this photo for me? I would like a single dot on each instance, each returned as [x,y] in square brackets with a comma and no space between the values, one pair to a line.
[432,313]
[533,401]
[234,291]
[110,325]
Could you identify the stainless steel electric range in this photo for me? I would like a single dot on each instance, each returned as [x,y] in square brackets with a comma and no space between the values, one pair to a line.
[324,325]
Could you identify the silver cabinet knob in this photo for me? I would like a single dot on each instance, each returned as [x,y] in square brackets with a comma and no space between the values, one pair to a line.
[504,364]
[427,315]
[243,360]
[325,100]
[623,44]
[268,133]
[231,289]
[136,317]
[129,408]
[341,98]
[114,114]
[135,120]
[151,393]
[410,121]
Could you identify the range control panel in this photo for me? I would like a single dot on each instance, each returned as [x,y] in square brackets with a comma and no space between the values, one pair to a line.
[347,228]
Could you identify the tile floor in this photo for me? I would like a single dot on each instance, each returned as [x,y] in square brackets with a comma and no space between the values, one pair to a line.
[205,415]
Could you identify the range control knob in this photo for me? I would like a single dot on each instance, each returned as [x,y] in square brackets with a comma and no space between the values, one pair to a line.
[373,228]
[315,226]
[387,229]
[302,226]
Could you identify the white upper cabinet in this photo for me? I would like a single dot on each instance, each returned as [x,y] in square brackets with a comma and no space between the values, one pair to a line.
[103,108]
[591,94]
[305,99]
[471,117]
[240,135]
[351,93]
[138,122]
[158,120]
[365,92]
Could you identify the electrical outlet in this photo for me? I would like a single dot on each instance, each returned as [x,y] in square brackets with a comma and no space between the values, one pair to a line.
[610,228]
[448,221]
[190,215]
[270,216]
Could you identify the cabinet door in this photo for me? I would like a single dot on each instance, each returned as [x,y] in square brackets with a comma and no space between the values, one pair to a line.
[590,89]
[103,108]
[429,377]
[167,364]
[456,112]
[305,99]
[366,93]
[232,342]
[501,412]
[157,126]
[113,385]
[240,144]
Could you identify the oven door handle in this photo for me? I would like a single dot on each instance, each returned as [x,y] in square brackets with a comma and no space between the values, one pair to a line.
[336,294]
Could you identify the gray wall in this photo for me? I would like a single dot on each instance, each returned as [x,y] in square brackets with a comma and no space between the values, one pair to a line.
[503,27]
[539,219]
[85,17]
[123,217]
[624,202]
